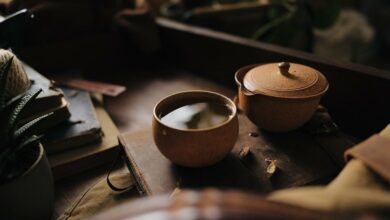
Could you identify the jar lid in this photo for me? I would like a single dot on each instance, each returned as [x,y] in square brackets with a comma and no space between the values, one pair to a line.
[285,80]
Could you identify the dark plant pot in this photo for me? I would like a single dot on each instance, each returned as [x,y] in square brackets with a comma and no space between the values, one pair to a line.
[31,195]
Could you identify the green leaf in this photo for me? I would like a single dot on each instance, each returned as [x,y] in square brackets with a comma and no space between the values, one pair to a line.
[30,128]
[28,141]
[25,101]
[5,110]
[291,10]
[13,101]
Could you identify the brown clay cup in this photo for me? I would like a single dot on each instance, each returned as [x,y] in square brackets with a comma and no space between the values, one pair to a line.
[194,147]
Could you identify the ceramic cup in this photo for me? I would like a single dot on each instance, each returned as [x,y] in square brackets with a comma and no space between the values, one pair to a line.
[194,147]
[279,97]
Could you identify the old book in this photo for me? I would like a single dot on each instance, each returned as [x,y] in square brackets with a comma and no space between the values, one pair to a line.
[80,159]
[300,158]
[54,117]
[80,129]
[50,98]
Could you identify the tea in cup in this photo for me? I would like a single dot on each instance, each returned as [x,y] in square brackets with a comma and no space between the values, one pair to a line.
[195,128]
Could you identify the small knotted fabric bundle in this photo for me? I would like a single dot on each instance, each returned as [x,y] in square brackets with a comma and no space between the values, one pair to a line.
[17,81]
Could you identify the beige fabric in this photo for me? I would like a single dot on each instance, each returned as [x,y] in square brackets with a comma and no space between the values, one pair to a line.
[385,132]
[100,197]
[374,153]
[356,189]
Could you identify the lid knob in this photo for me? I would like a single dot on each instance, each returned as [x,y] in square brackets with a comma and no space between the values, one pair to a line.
[284,67]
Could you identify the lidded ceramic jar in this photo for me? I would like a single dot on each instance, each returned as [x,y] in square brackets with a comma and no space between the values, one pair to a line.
[279,97]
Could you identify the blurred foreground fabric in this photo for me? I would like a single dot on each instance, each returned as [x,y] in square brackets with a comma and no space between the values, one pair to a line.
[361,187]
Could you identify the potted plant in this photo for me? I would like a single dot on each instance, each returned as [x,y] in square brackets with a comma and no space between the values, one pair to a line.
[26,182]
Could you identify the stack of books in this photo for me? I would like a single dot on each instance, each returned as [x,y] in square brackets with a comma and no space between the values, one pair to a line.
[77,135]
[89,138]
[80,129]
[50,100]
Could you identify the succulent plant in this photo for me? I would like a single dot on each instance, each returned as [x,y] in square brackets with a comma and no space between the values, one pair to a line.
[17,143]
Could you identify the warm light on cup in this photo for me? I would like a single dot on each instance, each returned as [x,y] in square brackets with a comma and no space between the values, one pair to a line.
[197,147]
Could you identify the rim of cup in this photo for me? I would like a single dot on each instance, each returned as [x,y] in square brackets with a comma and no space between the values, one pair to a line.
[227,101]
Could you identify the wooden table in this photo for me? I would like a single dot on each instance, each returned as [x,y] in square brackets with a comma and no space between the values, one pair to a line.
[357,93]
